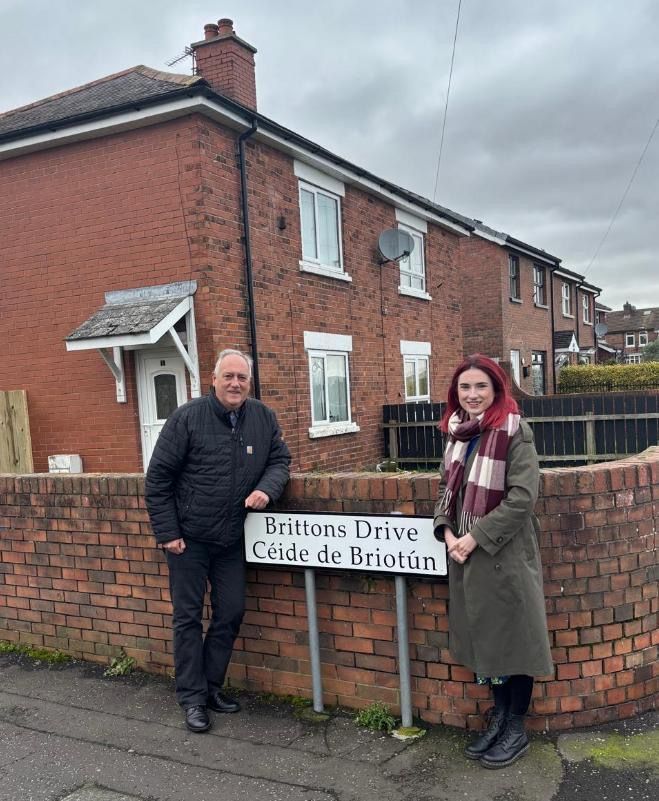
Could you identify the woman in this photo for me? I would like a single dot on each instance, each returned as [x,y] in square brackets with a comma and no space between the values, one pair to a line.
[497,622]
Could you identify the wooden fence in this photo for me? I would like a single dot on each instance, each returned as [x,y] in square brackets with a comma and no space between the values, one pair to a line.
[569,430]
[15,441]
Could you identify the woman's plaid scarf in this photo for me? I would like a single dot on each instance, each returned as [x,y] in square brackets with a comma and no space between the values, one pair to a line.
[487,477]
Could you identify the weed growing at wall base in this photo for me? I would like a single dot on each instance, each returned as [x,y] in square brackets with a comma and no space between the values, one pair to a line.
[121,665]
[377,717]
[38,654]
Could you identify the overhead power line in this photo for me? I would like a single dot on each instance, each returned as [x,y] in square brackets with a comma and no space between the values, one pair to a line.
[448,92]
[624,195]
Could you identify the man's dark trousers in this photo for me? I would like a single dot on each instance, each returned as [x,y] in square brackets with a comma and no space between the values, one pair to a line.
[201,662]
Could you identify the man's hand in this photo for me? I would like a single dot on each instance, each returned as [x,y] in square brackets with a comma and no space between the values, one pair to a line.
[174,546]
[257,500]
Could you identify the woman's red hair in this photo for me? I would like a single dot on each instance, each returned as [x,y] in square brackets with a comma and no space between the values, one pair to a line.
[503,404]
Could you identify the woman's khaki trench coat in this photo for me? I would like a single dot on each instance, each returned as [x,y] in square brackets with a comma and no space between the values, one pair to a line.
[497,621]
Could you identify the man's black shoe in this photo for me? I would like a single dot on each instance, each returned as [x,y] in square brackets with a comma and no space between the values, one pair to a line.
[219,702]
[196,718]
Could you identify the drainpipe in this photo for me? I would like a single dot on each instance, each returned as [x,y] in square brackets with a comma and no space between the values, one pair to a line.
[551,311]
[249,279]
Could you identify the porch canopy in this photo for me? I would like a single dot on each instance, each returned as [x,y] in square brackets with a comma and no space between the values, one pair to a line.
[140,318]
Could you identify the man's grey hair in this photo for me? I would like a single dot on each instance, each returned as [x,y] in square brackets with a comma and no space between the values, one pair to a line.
[233,352]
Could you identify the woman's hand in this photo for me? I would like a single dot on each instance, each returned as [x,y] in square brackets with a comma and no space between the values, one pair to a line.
[459,548]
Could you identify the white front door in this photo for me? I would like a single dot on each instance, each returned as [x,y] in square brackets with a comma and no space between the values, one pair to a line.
[161,388]
[515,365]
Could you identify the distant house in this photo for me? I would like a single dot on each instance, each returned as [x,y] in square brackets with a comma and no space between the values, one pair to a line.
[152,219]
[630,330]
[522,306]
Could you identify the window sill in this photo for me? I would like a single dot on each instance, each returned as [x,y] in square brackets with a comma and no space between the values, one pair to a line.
[569,316]
[586,322]
[515,300]
[327,272]
[541,306]
[420,399]
[414,293]
[332,429]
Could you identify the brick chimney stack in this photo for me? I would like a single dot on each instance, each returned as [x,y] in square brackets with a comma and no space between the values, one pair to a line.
[227,62]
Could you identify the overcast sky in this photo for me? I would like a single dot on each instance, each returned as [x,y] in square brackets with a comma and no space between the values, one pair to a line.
[552,102]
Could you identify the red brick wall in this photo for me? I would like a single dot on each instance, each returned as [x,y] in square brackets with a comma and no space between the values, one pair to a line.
[78,221]
[79,572]
[493,324]
[161,204]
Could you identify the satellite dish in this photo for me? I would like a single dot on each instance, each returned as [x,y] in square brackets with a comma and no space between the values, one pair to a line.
[601,329]
[395,244]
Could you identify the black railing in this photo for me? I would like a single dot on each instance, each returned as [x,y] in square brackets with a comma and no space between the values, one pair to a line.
[569,430]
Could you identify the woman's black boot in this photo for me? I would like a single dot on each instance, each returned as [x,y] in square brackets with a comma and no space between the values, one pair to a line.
[496,725]
[512,744]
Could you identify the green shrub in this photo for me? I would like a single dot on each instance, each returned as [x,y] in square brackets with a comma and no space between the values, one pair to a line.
[608,377]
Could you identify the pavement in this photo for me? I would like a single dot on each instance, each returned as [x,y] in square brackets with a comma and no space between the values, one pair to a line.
[68,733]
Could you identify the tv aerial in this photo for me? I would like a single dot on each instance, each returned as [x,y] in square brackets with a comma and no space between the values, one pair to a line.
[395,244]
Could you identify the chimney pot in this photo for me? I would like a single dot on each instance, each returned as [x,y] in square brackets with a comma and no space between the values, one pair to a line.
[210,30]
[225,26]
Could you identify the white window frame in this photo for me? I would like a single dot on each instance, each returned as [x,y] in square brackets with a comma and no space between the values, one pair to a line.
[566,299]
[633,358]
[418,229]
[514,278]
[642,339]
[540,270]
[319,344]
[318,183]
[630,339]
[416,352]
[585,305]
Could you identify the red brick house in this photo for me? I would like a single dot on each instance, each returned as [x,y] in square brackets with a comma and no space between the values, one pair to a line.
[151,219]
[630,330]
[521,306]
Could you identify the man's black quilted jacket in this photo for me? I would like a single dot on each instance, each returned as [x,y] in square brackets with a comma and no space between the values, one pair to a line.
[202,469]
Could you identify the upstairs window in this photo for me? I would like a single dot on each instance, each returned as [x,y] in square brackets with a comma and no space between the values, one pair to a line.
[585,301]
[513,277]
[566,299]
[320,222]
[539,289]
[642,339]
[630,339]
[321,241]
[413,267]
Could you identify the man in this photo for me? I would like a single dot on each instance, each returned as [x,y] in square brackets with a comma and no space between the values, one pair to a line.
[216,458]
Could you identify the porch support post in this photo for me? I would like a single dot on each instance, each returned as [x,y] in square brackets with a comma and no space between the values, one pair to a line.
[116,365]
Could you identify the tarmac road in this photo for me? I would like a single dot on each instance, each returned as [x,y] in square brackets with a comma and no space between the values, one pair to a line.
[67,733]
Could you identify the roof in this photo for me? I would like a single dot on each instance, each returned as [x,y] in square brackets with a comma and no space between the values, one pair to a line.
[123,89]
[140,86]
[562,339]
[509,241]
[133,316]
[633,320]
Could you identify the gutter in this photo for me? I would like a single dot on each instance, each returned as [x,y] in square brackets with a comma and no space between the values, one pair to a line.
[249,276]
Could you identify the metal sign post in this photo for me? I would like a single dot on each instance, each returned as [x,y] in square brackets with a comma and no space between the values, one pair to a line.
[314,640]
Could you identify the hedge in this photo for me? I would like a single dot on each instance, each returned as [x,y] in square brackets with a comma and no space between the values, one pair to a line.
[596,378]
